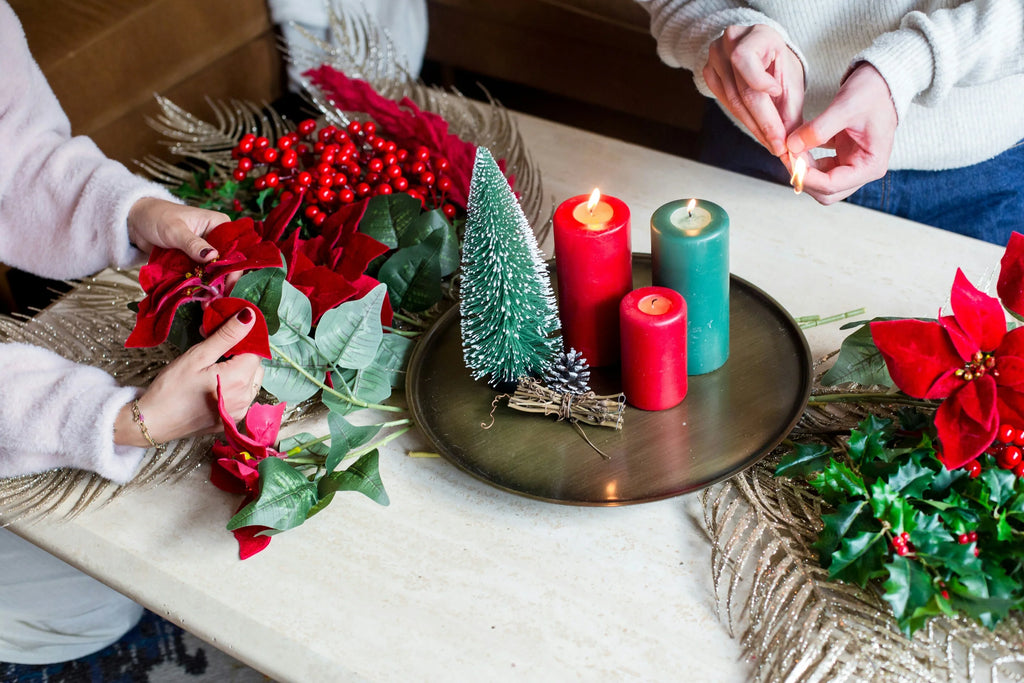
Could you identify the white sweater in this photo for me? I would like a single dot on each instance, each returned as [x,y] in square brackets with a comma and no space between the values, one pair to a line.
[955,69]
[63,214]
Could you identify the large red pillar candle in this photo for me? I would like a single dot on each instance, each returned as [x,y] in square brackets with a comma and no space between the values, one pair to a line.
[653,347]
[594,262]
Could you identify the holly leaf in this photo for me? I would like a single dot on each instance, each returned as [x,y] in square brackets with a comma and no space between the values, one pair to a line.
[859,360]
[804,459]
[867,441]
[837,525]
[888,506]
[908,590]
[859,558]
[285,498]
[998,484]
[1004,532]
[911,479]
[929,533]
[837,481]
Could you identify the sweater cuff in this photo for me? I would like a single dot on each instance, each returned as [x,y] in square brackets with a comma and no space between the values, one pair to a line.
[104,457]
[904,59]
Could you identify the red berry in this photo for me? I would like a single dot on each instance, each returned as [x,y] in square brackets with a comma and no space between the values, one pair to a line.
[319,147]
[1006,433]
[236,205]
[370,127]
[383,188]
[307,126]
[341,137]
[340,179]
[290,159]
[1019,470]
[245,164]
[362,189]
[393,171]
[260,183]
[400,184]
[945,594]
[238,174]
[977,551]
[376,165]
[1018,438]
[402,154]
[389,159]
[272,179]
[270,155]
[421,154]
[390,147]
[963,539]
[305,178]
[326,180]
[347,196]
[972,536]
[354,127]
[245,146]
[1009,458]
[417,168]
[325,194]
[311,212]
[371,178]
[261,142]
[378,144]
[441,164]
[427,178]
[444,183]
[449,211]
[320,218]
[327,157]
[284,142]
[973,469]
[326,133]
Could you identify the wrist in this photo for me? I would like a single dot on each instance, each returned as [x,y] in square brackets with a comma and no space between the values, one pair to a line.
[131,429]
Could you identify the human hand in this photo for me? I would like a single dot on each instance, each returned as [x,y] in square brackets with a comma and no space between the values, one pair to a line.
[158,223]
[760,80]
[182,400]
[860,124]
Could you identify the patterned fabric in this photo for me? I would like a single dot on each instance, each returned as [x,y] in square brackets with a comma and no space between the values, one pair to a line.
[155,651]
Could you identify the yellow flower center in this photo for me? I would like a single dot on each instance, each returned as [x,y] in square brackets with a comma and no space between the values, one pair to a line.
[980,365]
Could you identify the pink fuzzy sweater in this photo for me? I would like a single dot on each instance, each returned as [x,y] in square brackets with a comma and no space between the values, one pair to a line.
[63,214]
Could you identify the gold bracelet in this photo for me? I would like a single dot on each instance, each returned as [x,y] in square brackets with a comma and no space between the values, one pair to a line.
[141,421]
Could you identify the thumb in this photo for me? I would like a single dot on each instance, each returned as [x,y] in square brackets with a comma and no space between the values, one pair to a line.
[818,132]
[198,249]
[225,337]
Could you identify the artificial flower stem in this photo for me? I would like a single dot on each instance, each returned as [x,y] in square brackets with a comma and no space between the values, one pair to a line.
[866,397]
[403,333]
[807,321]
[379,444]
[348,399]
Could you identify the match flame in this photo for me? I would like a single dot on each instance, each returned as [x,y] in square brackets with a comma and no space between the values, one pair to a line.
[595,197]
[799,171]
[689,207]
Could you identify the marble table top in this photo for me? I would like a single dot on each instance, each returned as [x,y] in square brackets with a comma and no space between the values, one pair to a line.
[456,578]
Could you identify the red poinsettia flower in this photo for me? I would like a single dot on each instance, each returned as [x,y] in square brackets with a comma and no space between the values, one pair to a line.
[238,457]
[968,359]
[219,310]
[171,278]
[1011,275]
[330,268]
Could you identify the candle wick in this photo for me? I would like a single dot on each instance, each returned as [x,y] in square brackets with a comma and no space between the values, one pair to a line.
[690,212]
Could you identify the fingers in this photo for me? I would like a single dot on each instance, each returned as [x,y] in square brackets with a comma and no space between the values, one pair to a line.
[240,380]
[755,75]
[224,338]
[158,223]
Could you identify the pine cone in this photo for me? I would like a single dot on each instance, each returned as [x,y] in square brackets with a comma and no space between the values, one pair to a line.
[569,373]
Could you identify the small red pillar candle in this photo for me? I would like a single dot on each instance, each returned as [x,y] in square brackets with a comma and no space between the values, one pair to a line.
[653,347]
[594,262]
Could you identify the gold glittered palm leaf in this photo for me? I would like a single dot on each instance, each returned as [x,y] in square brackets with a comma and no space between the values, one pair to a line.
[796,625]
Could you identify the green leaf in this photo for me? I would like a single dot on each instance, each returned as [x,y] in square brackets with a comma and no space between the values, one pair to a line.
[263,288]
[867,441]
[295,315]
[803,460]
[837,525]
[424,227]
[310,449]
[908,589]
[185,332]
[363,476]
[859,558]
[959,558]
[890,507]
[345,437]
[859,361]
[393,356]
[1004,532]
[350,334]
[837,481]
[283,380]
[929,534]
[413,275]
[999,484]
[388,216]
[371,384]
[284,501]
[911,480]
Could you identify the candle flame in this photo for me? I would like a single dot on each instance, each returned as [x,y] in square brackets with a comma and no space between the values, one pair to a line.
[799,171]
[595,197]
[689,207]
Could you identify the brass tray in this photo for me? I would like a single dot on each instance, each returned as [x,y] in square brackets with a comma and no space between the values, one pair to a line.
[730,419]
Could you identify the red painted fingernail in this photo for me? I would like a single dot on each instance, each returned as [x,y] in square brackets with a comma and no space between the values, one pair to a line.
[245,316]
[205,252]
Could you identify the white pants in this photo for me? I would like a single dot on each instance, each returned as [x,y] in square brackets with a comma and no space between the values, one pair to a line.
[51,612]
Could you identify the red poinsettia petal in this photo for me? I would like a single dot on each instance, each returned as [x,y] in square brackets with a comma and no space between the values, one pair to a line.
[263,422]
[979,315]
[324,288]
[219,310]
[343,223]
[967,422]
[278,219]
[358,251]
[163,265]
[1010,286]
[238,441]
[234,476]
[249,540]
[918,354]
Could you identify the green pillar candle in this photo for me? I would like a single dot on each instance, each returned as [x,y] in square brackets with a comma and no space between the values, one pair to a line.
[690,254]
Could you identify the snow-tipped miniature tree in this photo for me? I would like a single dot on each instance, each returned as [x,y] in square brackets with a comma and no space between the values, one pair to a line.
[509,315]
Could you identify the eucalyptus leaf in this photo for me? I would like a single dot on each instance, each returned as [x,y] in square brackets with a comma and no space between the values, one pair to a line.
[344,438]
[284,501]
[286,382]
[263,288]
[350,334]
[295,314]
[393,356]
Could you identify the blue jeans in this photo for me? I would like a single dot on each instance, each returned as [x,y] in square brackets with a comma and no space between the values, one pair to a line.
[985,200]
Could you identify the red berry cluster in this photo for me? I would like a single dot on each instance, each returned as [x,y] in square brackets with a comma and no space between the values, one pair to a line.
[969,537]
[902,545]
[337,166]
[1007,450]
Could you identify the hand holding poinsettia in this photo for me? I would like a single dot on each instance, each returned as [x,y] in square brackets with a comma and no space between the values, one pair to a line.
[969,359]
